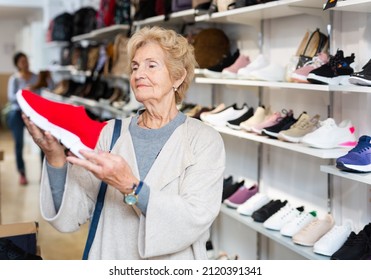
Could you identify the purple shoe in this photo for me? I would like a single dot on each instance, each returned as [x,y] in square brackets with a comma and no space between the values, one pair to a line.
[357,159]
[240,196]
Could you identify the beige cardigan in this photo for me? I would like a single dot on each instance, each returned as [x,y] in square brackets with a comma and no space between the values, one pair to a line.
[185,181]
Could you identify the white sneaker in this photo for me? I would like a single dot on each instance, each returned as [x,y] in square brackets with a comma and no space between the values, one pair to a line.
[300,221]
[330,135]
[259,63]
[283,216]
[273,73]
[230,113]
[255,202]
[332,241]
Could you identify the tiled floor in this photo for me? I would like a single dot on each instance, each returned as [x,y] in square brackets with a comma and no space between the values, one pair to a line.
[21,203]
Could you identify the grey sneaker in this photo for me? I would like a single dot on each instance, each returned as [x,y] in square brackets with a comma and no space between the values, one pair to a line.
[303,126]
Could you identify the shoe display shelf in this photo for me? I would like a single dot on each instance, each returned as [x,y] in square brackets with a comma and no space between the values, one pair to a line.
[255,83]
[56,44]
[181,17]
[102,34]
[358,177]
[362,6]
[252,15]
[287,242]
[296,147]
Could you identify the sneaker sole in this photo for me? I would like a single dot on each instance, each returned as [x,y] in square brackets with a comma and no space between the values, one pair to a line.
[340,145]
[68,139]
[354,168]
[315,79]
[359,81]
[286,138]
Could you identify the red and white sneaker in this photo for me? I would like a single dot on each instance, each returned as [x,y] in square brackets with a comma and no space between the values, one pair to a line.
[68,123]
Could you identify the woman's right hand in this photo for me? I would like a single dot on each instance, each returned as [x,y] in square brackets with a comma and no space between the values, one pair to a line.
[53,150]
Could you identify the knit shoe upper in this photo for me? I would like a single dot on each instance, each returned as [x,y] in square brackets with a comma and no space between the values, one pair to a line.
[231,71]
[330,135]
[216,70]
[282,216]
[299,222]
[298,130]
[240,196]
[68,123]
[332,240]
[357,159]
[284,123]
[356,246]
[312,232]
[262,214]
[300,75]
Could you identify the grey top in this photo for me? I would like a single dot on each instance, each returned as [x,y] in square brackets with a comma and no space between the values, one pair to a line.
[148,143]
[16,83]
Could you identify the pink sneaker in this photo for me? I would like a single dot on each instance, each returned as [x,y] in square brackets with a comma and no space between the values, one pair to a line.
[231,71]
[269,121]
[68,123]
[300,75]
[240,196]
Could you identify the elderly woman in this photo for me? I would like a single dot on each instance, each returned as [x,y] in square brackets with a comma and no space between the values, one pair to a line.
[173,162]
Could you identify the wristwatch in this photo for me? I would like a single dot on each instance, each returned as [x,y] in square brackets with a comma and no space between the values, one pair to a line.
[132,198]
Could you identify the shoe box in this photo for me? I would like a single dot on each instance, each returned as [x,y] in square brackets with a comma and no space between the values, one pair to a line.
[23,235]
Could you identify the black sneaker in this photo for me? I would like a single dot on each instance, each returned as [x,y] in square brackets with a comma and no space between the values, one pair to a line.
[362,78]
[356,247]
[235,124]
[285,123]
[263,213]
[230,189]
[337,71]
[216,70]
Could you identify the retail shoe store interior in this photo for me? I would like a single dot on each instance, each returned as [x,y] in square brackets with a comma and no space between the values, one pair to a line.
[286,84]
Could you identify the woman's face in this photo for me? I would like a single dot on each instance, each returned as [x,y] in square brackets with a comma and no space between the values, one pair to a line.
[22,63]
[150,79]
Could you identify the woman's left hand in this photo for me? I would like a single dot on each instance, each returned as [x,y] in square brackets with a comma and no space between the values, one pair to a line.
[112,169]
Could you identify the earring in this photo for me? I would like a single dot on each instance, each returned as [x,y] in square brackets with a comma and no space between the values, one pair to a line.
[175,89]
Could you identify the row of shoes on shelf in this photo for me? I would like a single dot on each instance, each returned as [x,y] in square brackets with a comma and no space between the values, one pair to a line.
[310,64]
[305,129]
[305,228]
[321,69]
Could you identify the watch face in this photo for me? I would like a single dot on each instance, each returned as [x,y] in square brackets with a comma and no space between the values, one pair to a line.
[130,199]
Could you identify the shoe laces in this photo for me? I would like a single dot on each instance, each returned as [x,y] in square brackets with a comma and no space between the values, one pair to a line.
[316,62]
[361,146]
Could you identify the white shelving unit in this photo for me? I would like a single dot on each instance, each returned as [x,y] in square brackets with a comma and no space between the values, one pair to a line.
[254,83]
[358,177]
[102,34]
[186,16]
[360,6]
[296,147]
[306,252]
[252,15]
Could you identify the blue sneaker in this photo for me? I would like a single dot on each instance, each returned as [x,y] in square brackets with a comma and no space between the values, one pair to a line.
[357,159]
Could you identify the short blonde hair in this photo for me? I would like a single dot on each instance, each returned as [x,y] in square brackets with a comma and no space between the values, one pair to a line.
[179,54]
